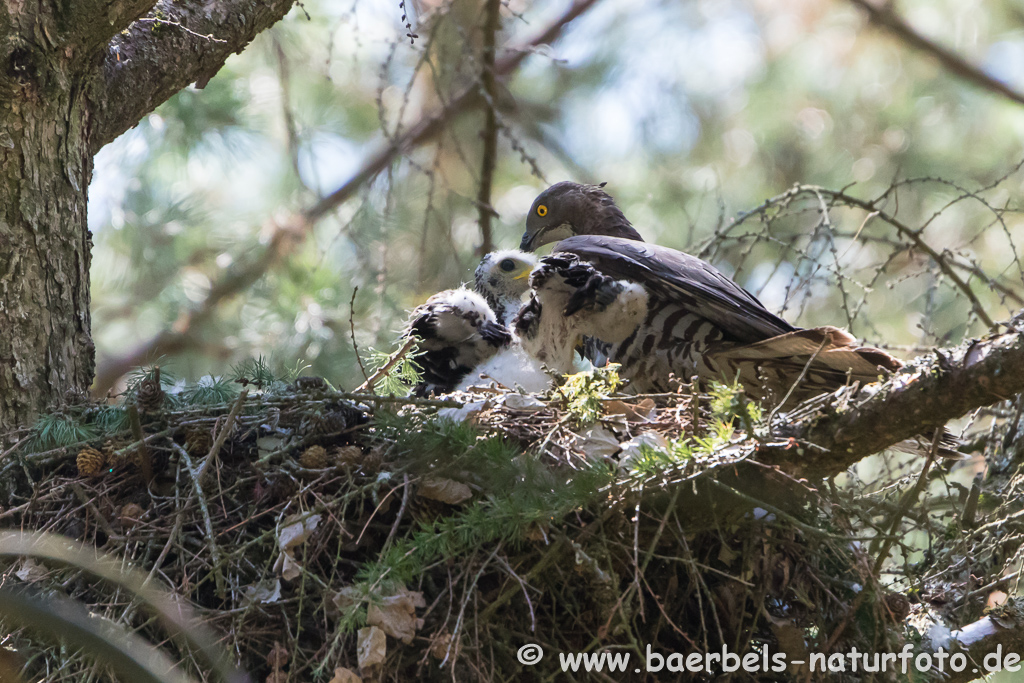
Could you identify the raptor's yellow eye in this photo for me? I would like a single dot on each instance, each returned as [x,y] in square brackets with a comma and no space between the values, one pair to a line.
[542,210]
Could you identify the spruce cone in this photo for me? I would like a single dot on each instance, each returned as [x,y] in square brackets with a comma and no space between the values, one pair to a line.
[314,458]
[90,462]
[150,396]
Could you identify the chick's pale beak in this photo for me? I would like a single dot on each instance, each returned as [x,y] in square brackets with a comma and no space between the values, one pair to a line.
[526,273]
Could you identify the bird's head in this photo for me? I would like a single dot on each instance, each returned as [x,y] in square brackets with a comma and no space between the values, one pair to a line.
[567,208]
[503,276]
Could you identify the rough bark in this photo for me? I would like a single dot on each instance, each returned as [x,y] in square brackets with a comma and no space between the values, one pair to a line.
[45,167]
[74,76]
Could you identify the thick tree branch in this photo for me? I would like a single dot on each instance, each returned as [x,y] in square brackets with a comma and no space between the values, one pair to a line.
[884,16]
[92,23]
[1002,632]
[921,398]
[78,29]
[287,234]
[168,51]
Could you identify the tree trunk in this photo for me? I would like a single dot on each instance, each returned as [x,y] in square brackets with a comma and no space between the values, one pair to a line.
[74,76]
[45,167]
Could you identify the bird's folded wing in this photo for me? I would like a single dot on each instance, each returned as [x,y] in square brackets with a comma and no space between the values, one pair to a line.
[830,347]
[671,275]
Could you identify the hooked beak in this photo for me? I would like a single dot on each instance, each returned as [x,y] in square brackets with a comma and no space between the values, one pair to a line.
[526,244]
[526,273]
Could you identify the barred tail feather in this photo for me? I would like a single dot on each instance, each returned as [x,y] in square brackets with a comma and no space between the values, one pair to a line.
[833,350]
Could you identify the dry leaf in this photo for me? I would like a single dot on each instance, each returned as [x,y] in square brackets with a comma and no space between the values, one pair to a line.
[597,443]
[726,555]
[643,411]
[444,490]
[440,644]
[631,449]
[343,675]
[294,531]
[523,402]
[371,647]
[31,571]
[396,614]
[345,598]
[467,412]
[287,567]
[265,592]
[268,444]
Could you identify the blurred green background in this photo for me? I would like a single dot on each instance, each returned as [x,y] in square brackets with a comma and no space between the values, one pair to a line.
[692,111]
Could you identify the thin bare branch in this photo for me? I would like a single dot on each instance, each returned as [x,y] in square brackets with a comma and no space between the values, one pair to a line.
[884,16]
[915,237]
[288,234]
[490,132]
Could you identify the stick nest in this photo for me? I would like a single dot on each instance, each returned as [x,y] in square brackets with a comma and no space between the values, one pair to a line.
[365,538]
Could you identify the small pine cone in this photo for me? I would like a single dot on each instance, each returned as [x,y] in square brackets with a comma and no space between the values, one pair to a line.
[198,441]
[332,422]
[278,657]
[308,383]
[151,395]
[440,645]
[347,455]
[373,461]
[90,462]
[130,515]
[899,606]
[313,458]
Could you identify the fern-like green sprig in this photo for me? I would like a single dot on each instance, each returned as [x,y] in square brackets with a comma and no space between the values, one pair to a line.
[401,377]
[585,391]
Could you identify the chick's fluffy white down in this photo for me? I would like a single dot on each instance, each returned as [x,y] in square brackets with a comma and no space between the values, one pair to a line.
[511,367]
